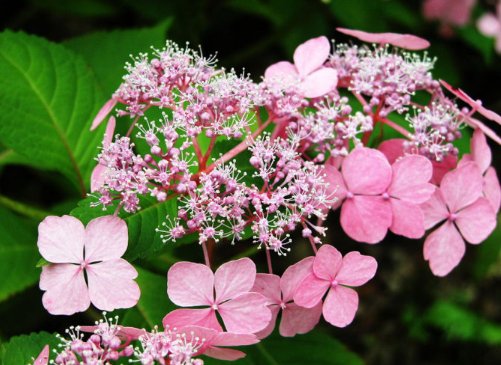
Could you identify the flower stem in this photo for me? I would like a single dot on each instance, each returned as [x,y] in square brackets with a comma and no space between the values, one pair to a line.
[268,260]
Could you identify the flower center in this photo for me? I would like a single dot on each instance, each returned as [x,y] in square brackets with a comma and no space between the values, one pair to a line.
[214,306]
[386,196]
[452,217]
[334,283]
[349,195]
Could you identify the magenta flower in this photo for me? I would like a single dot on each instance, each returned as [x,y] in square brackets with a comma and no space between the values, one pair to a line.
[376,197]
[98,174]
[280,292]
[312,78]
[242,311]
[73,249]
[334,275]
[466,214]
[407,41]
[43,357]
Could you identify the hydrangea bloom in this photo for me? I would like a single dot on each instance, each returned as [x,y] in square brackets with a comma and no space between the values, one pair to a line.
[98,176]
[73,249]
[333,274]
[190,284]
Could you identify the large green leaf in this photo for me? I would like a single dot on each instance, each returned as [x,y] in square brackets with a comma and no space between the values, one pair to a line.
[48,99]
[107,52]
[21,350]
[18,254]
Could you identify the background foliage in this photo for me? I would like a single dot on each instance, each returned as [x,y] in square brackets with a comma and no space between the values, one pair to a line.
[54,81]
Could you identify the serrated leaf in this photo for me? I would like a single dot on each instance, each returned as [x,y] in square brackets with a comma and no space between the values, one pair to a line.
[107,52]
[48,100]
[18,255]
[21,350]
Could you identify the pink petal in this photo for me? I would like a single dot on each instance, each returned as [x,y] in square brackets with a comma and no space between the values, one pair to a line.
[408,219]
[462,186]
[310,292]
[124,332]
[101,115]
[444,248]
[66,291]
[410,179]
[340,306]
[311,54]
[246,313]
[356,269]
[234,339]
[190,284]
[110,130]
[224,354]
[336,186]
[406,41]
[293,276]
[434,210]
[192,317]
[477,221]
[112,285]
[366,171]
[492,190]
[97,177]
[366,218]
[443,167]
[476,124]
[275,309]
[234,278]
[393,149]
[480,150]
[105,238]
[327,262]
[43,358]
[269,286]
[319,83]
[61,239]
[489,25]
[298,320]
[282,70]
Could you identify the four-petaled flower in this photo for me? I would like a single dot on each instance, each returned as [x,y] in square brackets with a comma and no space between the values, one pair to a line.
[95,250]
[228,292]
[335,274]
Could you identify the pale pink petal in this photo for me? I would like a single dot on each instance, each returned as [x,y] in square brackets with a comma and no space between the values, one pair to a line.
[444,248]
[393,149]
[299,320]
[246,313]
[480,150]
[462,186]
[66,291]
[311,54]
[410,179]
[224,353]
[476,124]
[356,269]
[340,306]
[192,317]
[318,83]
[101,115]
[112,285]
[275,309]
[310,292]
[441,168]
[408,219]
[190,284]
[43,357]
[234,339]
[406,41]
[366,171]
[105,238]
[336,187]
[492,190]
[489,25]
[282,70]
[293,276]
[327,262]
[97,177]
[434,210]
[269,286]
[366,218]
[477,221]
[61,239]
[233,278]
[110,130]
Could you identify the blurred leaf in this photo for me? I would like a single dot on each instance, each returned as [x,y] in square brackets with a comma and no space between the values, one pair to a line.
[48,99]
[81,8]
[360,14]
[143,237]
[18,255]
[10,157]
[107,52]
[399,12]
[483,44]
[22,350]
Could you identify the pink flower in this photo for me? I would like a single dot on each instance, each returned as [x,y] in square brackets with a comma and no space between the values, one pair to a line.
[279,292]
[103,112]
[376,197]
[98,174]
[190,284]
[407,41]
[453,12]
[43,358]
[490,25]
[96,249]
[314,80]
[465,213]
[334,274]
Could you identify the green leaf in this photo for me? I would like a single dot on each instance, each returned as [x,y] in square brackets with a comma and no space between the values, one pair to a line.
[107,52]
[48,100]
[350,15]
[18,255]
[42,262]
[21,350]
